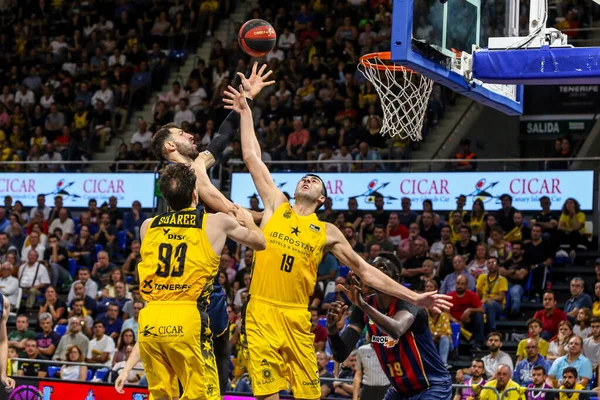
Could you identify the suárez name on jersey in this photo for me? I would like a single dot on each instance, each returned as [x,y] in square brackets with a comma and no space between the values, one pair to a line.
[290,240]
[178,219]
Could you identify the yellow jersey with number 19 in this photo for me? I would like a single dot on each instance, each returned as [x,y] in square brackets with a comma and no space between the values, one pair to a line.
[178,262]
[286,271]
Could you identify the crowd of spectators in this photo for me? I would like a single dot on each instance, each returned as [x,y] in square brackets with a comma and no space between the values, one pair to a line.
[71,72]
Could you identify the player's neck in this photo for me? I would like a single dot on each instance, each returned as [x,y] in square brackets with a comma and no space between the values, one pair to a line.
[303,209]
[384,301]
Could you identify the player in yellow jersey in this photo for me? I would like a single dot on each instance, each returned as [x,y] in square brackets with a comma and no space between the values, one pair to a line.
[277,320]
[180,257]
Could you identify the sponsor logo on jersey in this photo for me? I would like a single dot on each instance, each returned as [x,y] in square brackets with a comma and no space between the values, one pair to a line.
[295,230]
[147,287]
[314,382]
[386,341]
[175,237]
[315,228]
[147,332]
[267,377]
[170,331]
[287,214]
[172,287]
[264,362]
[289,240]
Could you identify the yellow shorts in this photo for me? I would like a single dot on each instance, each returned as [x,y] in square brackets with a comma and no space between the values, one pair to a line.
[280,348]
[176,343]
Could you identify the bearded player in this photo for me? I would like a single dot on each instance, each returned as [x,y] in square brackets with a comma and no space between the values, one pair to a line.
[277,321]
[400,337]
[180,257]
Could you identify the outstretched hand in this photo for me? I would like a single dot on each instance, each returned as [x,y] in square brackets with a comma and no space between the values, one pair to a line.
[9,384]
[257,80]
[353,290]
[235,100]
[120,382]
[434,301]
[336,311]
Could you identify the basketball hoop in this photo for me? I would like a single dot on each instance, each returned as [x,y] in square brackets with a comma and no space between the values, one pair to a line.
[403,93]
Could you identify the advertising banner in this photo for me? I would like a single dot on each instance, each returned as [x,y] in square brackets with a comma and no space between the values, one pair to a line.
[566,99]
[53,389]
[441,188]
[77,189]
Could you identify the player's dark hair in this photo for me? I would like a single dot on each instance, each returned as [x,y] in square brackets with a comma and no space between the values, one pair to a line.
[539,368]
[571,370]
[159,139]
[177,183]
[388,263]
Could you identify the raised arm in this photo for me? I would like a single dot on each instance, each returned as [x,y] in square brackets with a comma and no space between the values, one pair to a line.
[372,277]
[268,191]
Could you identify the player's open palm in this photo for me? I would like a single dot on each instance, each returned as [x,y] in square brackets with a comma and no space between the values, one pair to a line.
[235,100]
[257,80]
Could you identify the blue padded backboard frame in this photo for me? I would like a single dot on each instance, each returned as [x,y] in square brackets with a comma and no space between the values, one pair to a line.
[402,53]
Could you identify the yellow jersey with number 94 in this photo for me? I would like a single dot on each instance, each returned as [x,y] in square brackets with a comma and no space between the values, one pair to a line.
[178,262]
[286,271]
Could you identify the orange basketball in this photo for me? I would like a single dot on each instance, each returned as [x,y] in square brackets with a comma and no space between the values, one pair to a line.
[257,37]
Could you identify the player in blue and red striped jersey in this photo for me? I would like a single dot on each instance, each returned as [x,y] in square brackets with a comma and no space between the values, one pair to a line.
[400,337]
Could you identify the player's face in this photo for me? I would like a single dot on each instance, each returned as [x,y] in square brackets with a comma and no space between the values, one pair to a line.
[184,143]
[309,188]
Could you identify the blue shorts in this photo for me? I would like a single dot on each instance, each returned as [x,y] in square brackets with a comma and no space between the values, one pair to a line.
[437,391]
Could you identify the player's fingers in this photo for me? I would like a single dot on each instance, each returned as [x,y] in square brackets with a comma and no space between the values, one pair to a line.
[344,288]
[262,69]
[232,90]
[228,101]
[269,83]
[269,72]
[254,68]
[437,310]
[228,107]
[242,76]
[242,89]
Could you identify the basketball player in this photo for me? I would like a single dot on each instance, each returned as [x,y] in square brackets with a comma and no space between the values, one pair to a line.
[174,145]
[277,321]
[180,257]
[400,337]
[9,383]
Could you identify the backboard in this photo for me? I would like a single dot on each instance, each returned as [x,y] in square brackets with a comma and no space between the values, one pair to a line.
[429,37]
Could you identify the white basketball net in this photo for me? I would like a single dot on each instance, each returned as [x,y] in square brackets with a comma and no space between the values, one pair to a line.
[404,95]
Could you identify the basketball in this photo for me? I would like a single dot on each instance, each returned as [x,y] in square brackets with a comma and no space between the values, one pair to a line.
[257,37]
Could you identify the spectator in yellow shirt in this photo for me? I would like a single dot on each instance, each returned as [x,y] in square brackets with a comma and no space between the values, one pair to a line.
[491,289]
[570,383]
[501,383]
[571,227]
[439,325]
[534,326]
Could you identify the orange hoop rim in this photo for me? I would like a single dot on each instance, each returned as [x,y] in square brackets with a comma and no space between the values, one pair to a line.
[385,56]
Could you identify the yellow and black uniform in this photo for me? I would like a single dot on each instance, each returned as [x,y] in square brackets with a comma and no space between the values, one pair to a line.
[176,278]
[277,323]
